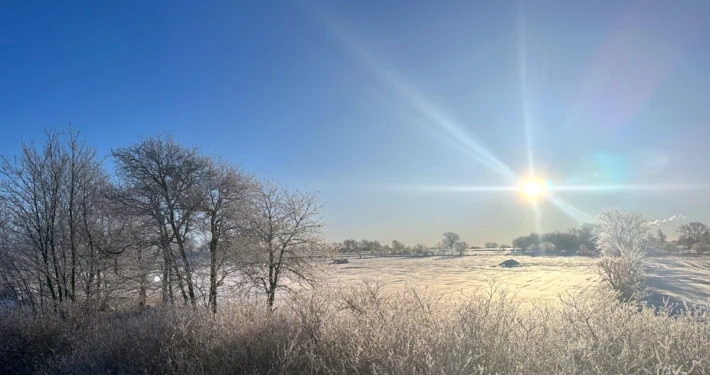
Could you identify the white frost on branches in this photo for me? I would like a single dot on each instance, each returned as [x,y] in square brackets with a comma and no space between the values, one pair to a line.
[621,233]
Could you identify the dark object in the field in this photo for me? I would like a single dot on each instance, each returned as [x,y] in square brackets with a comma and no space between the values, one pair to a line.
[510,263]
[340,261]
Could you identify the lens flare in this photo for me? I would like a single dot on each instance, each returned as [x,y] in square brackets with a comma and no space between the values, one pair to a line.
[533,188]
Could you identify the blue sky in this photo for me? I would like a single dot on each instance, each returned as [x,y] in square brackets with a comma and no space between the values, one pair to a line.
[374,103]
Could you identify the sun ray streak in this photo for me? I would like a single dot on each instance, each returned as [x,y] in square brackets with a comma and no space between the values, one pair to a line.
[573,212]
[442,188]
[538,217]
[436,117]
[638,187]
[522,62]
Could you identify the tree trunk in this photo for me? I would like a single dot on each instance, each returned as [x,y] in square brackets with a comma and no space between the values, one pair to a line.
[166,277]
[213,273]
[142,294]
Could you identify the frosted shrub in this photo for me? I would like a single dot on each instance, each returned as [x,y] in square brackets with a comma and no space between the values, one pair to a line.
[701,248]
[623,240]
[622,234]
[367,329]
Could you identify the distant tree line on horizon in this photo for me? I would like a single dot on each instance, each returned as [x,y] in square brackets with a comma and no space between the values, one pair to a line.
[450,244]
[694,235]
[574,241]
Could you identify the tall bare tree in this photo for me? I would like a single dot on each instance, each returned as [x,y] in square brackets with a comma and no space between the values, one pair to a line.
[288,240]
[450,238]
[228,192]
[163,180]
[50,195]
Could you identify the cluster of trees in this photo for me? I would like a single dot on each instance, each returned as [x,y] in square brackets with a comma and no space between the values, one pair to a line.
[582,240]
[495,245]
[694,235]
[572,241]
[377,249]
[451,243]
[171,221]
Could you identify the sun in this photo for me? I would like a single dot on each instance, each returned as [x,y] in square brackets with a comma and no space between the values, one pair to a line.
[533,188]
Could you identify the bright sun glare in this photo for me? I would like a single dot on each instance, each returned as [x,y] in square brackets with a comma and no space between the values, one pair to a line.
[532,188]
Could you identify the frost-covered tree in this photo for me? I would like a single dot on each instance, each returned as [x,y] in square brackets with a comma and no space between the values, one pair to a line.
[460,247]
[622,238]
[661,237]
[286,239]
[701,247]
[450,238]
[692,233]
[419,249]
[164,181]
[398,247]
[621,233]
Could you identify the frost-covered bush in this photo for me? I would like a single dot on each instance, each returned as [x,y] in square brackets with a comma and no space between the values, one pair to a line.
[623,240]
[548,248]
[623,275]
[621,234]
[368,329]
[701,247]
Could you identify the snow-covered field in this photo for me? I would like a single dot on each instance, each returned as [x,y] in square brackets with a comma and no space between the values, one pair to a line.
[540,279]
[680,278]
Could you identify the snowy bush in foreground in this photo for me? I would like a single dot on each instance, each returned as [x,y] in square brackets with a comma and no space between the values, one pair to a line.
[366,330]
[623,240]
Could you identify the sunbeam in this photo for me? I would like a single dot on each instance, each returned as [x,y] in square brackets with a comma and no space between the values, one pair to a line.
[538,217]
[445,125]
[638,187]
[522,62]
[434,188]
[437,118]
[573,212]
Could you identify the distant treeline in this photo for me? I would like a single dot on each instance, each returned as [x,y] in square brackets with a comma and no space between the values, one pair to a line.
[570,242]
[377,249]
[450,244]
[694,235]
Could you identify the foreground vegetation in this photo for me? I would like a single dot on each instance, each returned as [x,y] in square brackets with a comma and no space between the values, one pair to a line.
[365,330]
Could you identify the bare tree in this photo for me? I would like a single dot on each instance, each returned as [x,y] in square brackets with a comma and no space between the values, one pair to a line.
[351,246]
[163,180]
[621,233]
[32,190]
[450,238]
[398,247]
[701,247]
[692,233]
[287,238]
[50,195]
[661,237]
[225,208]
[460,247]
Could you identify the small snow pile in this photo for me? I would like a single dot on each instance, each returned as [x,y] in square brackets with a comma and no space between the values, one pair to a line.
[510,263]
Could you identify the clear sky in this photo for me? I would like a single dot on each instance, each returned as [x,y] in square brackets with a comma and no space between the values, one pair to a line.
[389,109]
